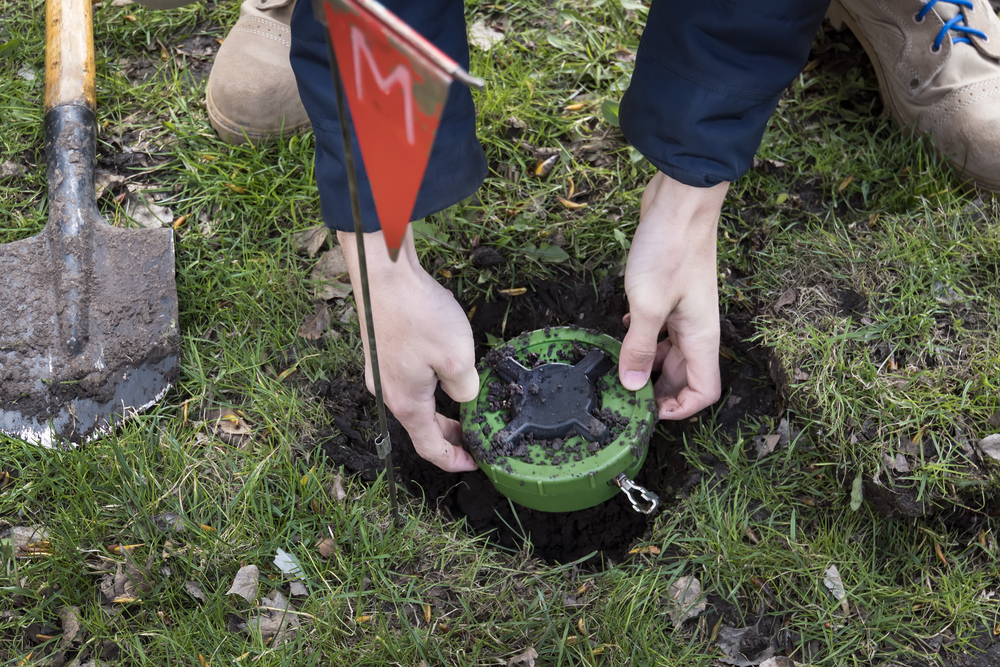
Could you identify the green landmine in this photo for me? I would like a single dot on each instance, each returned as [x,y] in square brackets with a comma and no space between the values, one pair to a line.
[558,474]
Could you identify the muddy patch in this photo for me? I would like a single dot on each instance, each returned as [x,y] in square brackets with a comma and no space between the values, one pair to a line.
[608,530]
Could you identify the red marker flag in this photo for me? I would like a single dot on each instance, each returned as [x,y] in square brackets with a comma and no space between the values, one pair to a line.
[396,83]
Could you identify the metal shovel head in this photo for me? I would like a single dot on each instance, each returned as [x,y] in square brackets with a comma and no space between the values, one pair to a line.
[88,312]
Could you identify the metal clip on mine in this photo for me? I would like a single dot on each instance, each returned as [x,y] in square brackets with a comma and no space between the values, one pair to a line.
[647,501]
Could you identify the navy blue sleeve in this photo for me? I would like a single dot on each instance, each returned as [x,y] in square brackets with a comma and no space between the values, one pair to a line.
[708,75]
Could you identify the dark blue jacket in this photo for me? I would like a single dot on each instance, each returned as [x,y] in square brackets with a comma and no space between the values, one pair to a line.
[708,75]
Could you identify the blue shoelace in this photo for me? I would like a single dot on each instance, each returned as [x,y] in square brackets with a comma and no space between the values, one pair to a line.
[955,24]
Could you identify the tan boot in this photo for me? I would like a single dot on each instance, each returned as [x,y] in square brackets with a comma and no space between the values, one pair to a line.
[942,82]
[251,91]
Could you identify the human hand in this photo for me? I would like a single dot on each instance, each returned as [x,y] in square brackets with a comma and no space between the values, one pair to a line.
[670,281]
[423,337]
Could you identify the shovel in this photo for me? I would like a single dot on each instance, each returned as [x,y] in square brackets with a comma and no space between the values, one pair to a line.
[88,312]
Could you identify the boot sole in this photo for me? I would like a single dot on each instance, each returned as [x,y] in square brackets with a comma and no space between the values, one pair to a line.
[233,133]
[839,18]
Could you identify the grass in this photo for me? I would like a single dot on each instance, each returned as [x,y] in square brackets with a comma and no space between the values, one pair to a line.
[871,207]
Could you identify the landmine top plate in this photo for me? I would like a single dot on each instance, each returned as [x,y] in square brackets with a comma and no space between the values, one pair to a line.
[581,473]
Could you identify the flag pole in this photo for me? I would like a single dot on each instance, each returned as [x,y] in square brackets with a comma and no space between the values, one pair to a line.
[383,443]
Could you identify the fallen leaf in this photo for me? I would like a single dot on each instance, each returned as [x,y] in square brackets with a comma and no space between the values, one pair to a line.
[844,183]
[787,298]
[145,212]
[328,274]
[990,446]
[571,204]
[8,169]
[194,589]
[103,179]
[126,585]
[311,240]
[275,619]
[857,492]
[653,549]
[526,659]
[326,547]
[778,661]
[684,600]
[22,536]
[516,291]
[745,647]
[238,189]
[766,444]
[544,167]
[483,36]
[288,563]
[71,630]
[337,488]
[246,582]
[316,324]
[228,426]
[623,55]
[831,579]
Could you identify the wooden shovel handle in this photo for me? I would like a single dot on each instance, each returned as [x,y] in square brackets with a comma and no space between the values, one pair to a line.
[69,54]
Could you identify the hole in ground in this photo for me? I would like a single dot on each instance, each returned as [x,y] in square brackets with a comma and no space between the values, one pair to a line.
[609,529]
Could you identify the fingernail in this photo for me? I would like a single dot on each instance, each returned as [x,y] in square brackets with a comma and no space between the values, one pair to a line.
[634,380]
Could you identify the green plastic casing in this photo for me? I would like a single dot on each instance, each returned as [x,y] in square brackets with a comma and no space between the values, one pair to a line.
[572,485]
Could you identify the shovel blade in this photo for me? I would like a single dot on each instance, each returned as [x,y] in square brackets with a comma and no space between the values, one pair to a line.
[57,390]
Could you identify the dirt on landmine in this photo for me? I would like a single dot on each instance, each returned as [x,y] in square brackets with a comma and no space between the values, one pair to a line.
[608,529]
[530,449]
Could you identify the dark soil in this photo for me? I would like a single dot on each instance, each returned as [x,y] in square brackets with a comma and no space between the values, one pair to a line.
[608,529]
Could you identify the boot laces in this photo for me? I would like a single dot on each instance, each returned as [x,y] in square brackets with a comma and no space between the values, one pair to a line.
[955,25]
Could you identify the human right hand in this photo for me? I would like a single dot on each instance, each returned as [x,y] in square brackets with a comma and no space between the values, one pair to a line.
[671,284]
[423,336]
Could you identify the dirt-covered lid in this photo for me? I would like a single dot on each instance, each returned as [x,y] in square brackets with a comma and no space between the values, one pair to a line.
[552,426]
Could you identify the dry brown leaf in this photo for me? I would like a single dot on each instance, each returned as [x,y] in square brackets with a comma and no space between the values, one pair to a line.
[787,298]
[684,600]
[71,630]
[22,536]
[484,36]
[653,549]
[330,275]
[843,184]
[326,547]
[146,212]
[571,204]
[526,659]
[228,426]
[766,444]
[105,179]
[832,580]
[516,291]
[337,488]
[246,582]
[8,169]
[311,240]
[275,619]
[194,590]
[316,324]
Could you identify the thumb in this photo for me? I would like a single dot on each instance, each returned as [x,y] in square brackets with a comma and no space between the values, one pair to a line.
[462,384]
[638,352]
